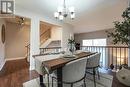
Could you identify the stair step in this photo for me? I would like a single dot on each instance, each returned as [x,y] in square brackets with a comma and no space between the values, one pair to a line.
[56,43]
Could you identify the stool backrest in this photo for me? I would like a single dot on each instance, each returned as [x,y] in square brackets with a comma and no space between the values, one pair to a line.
[94,60]
[75,70]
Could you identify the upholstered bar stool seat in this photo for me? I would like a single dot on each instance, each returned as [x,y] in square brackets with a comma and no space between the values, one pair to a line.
[74,73]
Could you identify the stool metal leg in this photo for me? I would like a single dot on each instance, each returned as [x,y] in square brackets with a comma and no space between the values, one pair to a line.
[71,85]
[98,74]
[84,83]
[52,81]
[48,80]
[94,77]
[41,81]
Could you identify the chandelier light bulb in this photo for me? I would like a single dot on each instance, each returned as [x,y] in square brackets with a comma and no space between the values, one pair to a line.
[72,16]
[61,17]
[56,14]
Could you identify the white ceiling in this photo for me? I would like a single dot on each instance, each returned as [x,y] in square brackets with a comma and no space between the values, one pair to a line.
[91,15]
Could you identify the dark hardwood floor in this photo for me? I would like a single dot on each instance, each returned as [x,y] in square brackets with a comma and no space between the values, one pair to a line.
[15,73]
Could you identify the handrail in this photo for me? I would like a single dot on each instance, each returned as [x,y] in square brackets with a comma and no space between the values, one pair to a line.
[28,52]
[51,48]
[42,50]
[108,46]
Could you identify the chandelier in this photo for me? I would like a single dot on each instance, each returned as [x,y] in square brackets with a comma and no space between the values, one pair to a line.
[63,12]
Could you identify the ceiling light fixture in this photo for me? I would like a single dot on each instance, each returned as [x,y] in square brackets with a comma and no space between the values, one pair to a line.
[21,21]
[63,12]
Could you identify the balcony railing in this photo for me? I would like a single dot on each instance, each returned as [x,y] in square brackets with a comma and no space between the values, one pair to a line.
[110,55]
[50,49]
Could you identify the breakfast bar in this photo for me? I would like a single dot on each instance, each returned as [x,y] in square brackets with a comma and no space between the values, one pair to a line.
[59,63]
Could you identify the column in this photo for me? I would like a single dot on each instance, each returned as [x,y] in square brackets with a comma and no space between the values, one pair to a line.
[34,40]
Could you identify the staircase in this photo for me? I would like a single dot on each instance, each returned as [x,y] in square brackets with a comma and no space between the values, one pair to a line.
[45,41]
[43,38]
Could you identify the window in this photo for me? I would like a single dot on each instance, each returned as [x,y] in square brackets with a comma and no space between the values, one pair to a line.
[94,42]
[87,42]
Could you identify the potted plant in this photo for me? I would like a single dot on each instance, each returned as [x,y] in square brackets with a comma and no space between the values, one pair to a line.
[121,33]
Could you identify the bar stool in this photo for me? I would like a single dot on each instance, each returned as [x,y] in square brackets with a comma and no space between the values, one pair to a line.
[93,65]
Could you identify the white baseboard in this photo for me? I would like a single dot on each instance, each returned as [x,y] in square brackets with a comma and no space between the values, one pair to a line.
[2,65]
[18,58]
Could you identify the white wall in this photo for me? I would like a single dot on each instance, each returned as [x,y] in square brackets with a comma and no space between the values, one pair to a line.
[93,35]
[66,32]
[35,40]
[56,33]
[2,47]
[16,39]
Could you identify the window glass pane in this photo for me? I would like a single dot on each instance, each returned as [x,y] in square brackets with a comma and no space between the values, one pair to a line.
[99,42]
[87,43]
[94,42]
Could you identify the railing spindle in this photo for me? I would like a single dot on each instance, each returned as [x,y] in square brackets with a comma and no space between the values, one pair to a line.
[120,57]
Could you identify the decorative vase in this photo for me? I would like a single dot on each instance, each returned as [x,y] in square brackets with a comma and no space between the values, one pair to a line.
[71,47]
